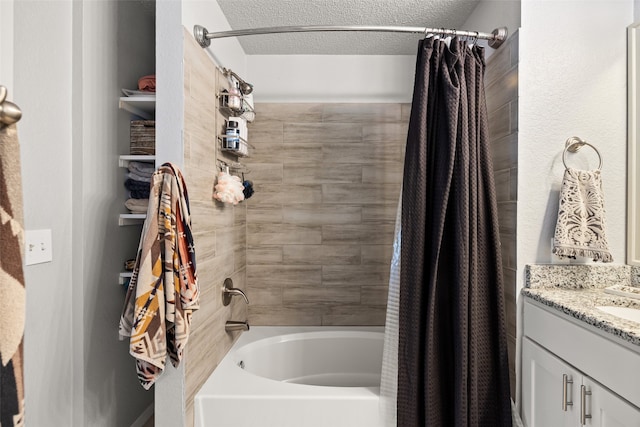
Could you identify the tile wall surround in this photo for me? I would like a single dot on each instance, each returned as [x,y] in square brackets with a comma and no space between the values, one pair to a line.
[219,230]
[320,225]
[501,83]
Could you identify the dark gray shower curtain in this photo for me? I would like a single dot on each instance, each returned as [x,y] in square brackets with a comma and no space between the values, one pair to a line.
[452,354]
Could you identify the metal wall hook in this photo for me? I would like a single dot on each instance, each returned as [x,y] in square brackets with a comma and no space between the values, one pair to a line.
[10,113]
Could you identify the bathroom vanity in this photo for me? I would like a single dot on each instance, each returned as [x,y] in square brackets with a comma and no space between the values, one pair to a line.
[580,363]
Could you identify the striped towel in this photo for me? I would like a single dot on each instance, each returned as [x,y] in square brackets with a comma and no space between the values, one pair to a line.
[163,292]
[12,291]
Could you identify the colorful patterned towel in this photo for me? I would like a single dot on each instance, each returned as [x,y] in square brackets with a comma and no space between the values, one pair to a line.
[580,230]
[163,292]
[12,291]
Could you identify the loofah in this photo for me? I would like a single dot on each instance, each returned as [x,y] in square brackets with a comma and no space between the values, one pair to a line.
[229,189]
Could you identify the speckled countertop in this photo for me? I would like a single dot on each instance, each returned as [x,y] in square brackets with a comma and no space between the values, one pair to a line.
[577,290]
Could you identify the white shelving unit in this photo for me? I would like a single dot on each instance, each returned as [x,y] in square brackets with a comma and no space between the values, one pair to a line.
[131,219]
[145,108]
[142,106]
[124,160]
[124,276]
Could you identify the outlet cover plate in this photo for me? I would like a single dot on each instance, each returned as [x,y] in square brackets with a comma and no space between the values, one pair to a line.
[38,247]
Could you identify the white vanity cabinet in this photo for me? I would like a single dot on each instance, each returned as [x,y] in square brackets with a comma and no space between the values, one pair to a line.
[564,367]
[553,392]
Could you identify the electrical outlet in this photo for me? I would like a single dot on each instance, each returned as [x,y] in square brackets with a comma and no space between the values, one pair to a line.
[37,246]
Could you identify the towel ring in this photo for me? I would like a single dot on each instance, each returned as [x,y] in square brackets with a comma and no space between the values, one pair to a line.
[574,144]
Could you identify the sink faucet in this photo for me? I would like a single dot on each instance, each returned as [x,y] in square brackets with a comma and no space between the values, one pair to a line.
[236,325]
[229,291]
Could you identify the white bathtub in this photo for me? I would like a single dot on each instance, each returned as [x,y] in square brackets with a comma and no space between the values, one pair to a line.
[296,377]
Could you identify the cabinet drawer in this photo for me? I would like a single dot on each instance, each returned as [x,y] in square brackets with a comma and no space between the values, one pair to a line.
[608,362]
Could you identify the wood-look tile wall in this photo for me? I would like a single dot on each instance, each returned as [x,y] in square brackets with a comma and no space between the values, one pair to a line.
[320,225]
[501,80]
[219,229]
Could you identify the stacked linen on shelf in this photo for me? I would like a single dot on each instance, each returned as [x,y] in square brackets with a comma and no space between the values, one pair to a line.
[139,184]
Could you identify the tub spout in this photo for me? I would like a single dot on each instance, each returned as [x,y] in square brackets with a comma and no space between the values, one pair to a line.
[236,325]
[229,291]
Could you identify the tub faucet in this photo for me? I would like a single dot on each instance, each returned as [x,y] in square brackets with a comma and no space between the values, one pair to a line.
[236,325]
[229,291]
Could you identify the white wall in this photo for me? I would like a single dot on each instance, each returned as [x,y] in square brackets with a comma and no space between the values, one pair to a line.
[112,394]
[45,136]
[332,78]
[491,14]
[6,44]
[226,52]
[572,82]
[77,372]
[357,78]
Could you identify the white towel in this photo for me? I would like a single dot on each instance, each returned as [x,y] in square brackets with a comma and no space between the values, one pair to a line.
[580,230]
[142,168]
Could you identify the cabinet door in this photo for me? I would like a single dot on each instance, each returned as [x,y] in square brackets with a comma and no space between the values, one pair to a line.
[543,389]
[606,408]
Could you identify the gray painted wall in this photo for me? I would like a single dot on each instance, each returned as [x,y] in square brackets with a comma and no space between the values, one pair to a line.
[67,83]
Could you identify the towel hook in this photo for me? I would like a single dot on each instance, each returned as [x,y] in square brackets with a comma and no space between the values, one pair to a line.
[573,144]
[9,112]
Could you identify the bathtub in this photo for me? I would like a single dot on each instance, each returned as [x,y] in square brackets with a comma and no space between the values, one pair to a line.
[278,376]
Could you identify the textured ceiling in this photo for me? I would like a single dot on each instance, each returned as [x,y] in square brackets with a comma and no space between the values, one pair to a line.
[243,14]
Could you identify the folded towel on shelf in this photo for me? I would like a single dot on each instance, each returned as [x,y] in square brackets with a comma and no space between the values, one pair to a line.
[137,205]
[141,168]
[137,189]
[140,178]
[580,230]
[147,83]
[163,292]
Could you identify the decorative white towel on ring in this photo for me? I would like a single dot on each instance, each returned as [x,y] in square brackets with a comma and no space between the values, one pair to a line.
[580,230]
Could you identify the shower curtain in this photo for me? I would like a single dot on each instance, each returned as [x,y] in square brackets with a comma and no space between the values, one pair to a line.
[452,354]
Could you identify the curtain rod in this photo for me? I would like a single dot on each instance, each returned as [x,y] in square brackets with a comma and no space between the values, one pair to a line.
[204,37]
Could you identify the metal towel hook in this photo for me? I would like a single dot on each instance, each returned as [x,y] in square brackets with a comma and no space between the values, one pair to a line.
[10,113]
[573,144]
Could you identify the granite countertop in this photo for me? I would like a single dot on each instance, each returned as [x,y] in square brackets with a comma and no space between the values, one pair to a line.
[577,290]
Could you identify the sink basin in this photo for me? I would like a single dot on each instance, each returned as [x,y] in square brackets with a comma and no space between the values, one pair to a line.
[632,314]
